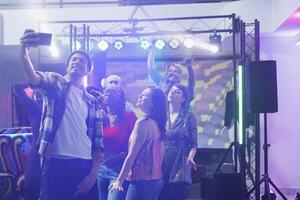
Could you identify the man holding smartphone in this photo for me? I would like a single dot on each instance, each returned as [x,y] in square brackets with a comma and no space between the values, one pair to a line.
[70,141]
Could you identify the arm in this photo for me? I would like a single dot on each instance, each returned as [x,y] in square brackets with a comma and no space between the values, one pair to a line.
[28,69]
[152,69]
[138,138]
[192,128]
[191,79]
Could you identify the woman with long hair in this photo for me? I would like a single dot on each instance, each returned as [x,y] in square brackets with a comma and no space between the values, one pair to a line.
[142,166]
[117,127]
[180,145]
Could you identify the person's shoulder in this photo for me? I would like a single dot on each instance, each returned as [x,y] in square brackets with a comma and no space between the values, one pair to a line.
[143,121]
[56,77]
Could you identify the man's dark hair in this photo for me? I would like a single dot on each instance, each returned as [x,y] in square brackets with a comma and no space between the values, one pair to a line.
[85,55]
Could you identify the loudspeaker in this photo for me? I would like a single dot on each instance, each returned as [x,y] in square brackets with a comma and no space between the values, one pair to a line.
[222,186]
[261,87]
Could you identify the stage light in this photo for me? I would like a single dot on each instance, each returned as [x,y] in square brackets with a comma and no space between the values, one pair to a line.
[76,45]
[174,44]
[54,51]
[160,44]
[55,47]
[216,40]
[210,47]
[118,44]
[103,45]
[188,43]
[145,44]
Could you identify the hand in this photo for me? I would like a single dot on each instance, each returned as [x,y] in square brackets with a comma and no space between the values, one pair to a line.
[86,184]
[117,185]
[188,62]
[191,162]
[29,39]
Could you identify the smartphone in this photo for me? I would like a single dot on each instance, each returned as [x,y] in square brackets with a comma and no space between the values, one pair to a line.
[44,39]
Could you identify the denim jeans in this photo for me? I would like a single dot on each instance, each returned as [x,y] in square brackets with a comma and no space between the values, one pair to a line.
[145,190]
[107,175]
[60,178]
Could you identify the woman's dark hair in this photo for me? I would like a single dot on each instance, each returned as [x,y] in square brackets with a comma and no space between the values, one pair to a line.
[90,66]
[185,93]
[119,106]
[159,109]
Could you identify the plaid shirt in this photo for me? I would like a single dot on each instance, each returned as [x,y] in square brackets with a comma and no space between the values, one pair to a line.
[56,89]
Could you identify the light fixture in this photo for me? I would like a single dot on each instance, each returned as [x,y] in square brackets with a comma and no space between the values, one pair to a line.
[160,44]
[216,40]
[76,45]
[103,45]
[118,44]
[54,51]
[188,43]
[174,44]
[145,44]
[55,47]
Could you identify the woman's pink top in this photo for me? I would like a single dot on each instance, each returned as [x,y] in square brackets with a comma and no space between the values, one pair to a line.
[147,165]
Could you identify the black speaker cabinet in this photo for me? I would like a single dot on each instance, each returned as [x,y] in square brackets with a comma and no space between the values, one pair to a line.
[222,186]
[261,87]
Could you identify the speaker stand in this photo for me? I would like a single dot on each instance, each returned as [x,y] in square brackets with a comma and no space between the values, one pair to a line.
[265,177]
[233,146]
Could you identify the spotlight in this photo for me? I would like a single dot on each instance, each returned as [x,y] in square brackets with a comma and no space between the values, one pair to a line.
[54,51]
[174,44]
[160,44]
[145,44]
[216,40]
[208,46]
[118,44]
[76,45]
[103,45]
[188,43]
[55,47]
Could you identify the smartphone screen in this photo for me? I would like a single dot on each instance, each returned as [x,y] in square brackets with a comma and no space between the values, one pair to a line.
[44,39]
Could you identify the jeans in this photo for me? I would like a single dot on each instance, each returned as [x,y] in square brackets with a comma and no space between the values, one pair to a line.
[144,190]
[60,178]
[107,175]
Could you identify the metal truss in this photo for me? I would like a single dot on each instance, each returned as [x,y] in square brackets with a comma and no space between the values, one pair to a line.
[252,142]
[132,29]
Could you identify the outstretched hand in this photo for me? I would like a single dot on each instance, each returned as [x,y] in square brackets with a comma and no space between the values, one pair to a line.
[117,185]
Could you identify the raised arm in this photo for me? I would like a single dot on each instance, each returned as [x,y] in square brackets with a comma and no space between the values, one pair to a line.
[191,79]
[27,41]
[152,69]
